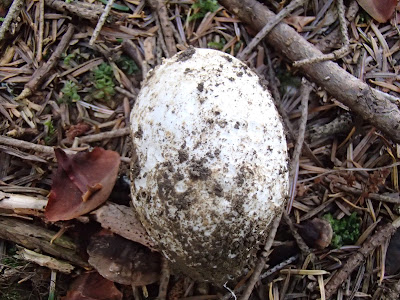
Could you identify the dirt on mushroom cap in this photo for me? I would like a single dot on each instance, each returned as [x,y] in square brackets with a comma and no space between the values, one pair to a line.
[211,168]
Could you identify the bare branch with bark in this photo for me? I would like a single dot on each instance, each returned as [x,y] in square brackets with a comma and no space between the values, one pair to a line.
[372,105]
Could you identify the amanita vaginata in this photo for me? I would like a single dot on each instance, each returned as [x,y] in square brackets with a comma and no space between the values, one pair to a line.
[209,167]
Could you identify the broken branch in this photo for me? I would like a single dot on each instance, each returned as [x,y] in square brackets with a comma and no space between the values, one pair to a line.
[35,237]
[372,105]
[379,238]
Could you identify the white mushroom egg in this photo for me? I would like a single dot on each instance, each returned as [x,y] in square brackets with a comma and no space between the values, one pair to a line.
[209,168]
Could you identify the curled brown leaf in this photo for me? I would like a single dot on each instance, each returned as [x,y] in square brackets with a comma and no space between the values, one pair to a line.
[81,183]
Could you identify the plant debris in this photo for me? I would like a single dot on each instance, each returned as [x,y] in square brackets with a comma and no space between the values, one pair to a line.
[123,261]
[380,10]
[92,286]
[82,183]
[57,90]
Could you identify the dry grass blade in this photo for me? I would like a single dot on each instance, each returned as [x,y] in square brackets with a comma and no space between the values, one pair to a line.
[304,272]
[294,164]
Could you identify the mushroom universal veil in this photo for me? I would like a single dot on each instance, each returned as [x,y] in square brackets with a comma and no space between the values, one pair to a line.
[209,168]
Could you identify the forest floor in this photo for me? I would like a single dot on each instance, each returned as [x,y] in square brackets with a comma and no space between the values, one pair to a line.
[69,81]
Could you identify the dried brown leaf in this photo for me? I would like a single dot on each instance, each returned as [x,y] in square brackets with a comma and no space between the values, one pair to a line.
[82,182]
[380,10]
[299,22]
[92,286]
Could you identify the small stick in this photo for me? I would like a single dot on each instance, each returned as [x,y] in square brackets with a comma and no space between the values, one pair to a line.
[331,56]
[379,238]
[50,150]
[41,31]
[279,266]
[161,40]
[374,107]
[265,275]
[44,71]
[299,240]
[343,23]
[164,280]
[19,201]
[45,261]
[11,15]
[268,27]
[166,26]
[136,293]
[306,89]
[30,146]
[52,287]
[104,135]
[125,93]
[77,8]
[101,21]
[36,237]
[261,261]
[337,53]
[358,192]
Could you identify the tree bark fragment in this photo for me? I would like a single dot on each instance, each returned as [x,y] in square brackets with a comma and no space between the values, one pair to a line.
[90,12]
[35,237]
[372,105]
[166,26]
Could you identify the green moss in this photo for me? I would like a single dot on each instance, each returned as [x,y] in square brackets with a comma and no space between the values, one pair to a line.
[217,45]
[76,56]
[104,87]
[68,58]
[70,92]
[203,7]
[127,65]
[50,130]
[237,47]
[345,231]
[10,261]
